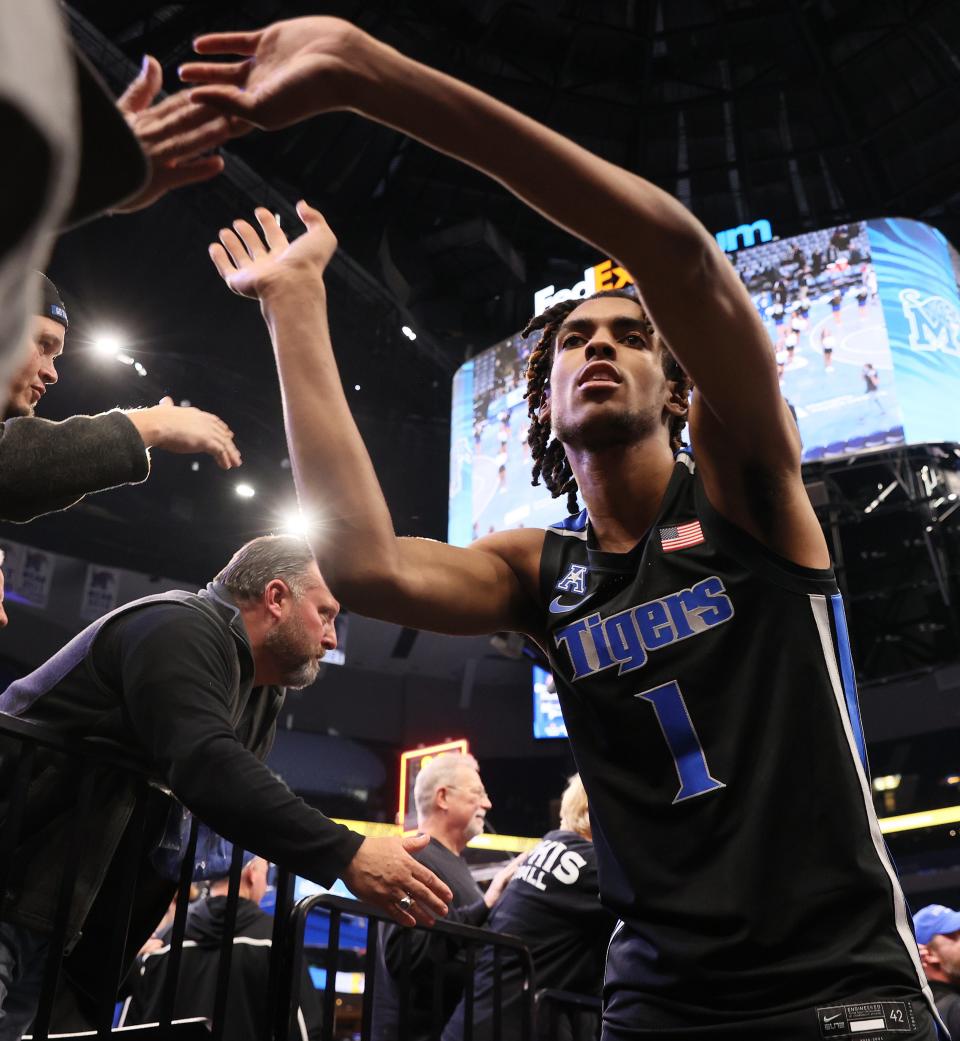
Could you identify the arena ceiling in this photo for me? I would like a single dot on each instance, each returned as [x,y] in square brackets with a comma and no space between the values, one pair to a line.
[804,112]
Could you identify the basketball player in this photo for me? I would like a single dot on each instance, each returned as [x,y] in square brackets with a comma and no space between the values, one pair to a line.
[827,342]
[790,342]
[721,749]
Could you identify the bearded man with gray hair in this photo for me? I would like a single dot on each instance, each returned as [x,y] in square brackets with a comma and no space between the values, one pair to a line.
[452,805]
[191,685]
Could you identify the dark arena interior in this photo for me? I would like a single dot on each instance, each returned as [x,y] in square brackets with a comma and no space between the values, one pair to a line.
[817,143]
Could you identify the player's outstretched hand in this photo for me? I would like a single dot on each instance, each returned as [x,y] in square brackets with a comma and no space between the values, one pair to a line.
[289,70]
[250,261]
[173,134]
[184,430]
[382,872]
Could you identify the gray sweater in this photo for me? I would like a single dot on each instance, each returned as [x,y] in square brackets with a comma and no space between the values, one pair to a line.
[46,466]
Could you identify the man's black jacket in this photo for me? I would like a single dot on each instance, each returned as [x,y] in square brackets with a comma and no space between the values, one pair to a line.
[169,680]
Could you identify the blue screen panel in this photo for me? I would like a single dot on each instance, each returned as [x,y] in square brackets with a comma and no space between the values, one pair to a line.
[819,297]
[921,306]
[460,521]
[547,717]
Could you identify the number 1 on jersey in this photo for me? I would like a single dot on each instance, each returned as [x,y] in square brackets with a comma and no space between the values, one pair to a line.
[682,740]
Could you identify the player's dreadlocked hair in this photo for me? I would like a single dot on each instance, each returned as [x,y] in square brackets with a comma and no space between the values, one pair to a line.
[549,458]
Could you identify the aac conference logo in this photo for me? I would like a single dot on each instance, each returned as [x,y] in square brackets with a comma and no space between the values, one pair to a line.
[934,322]
[609,275]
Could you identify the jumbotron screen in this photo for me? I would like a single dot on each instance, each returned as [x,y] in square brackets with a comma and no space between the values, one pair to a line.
[864,325]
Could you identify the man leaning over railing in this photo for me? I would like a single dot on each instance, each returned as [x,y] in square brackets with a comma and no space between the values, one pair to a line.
[191,685]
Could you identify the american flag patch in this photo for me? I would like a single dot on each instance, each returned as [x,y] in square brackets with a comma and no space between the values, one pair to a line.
[681,537]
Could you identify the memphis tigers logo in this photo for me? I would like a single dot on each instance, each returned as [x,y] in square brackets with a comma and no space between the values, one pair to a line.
[627,638]
[933,321]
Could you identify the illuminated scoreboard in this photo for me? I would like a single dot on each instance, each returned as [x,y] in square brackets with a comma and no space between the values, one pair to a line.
[864,327]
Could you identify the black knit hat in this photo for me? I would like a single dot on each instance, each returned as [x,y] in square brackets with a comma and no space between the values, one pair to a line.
[51,306]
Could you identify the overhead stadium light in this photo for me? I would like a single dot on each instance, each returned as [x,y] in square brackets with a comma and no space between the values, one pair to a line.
[408,332]
[295,522]
[107,345]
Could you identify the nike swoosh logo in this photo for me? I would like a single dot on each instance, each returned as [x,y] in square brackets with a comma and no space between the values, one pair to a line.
[827,1019]
[557,608]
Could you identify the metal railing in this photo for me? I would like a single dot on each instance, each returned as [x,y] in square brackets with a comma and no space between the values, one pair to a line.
[466,937]
[80,764]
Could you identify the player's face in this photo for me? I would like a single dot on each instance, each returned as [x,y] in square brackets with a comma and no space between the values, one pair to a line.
[467,802]
[39,369]
[305,632]
[607,381]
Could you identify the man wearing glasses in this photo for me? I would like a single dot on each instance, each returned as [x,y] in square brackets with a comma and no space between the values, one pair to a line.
[452,805]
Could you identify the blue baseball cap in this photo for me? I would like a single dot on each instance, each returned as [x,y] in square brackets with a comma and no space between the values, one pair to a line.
[935,920]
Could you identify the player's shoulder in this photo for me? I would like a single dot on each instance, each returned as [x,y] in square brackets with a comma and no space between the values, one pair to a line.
[514,545]
[573,526]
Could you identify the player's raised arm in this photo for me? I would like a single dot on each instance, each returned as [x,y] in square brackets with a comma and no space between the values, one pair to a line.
[416,582]
[304,66]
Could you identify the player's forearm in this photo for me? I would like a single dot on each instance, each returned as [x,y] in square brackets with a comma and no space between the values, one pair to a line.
[334,476]
[618,212]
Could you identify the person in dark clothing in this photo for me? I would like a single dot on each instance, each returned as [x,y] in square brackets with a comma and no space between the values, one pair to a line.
[191,686]
[752,908]
[451,807]
[247,1011]
[553,905]
[938,936]
[47,466]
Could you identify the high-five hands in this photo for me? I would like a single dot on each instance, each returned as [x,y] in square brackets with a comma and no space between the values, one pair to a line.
[250,261]
[174,135]
[382,872]
[290,70]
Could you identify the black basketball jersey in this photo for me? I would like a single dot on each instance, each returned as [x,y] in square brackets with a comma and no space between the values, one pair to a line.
[709,696]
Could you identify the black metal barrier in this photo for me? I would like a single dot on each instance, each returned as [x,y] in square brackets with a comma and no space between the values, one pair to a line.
[87,769]
[582,1013]
[29,756]
[467,937]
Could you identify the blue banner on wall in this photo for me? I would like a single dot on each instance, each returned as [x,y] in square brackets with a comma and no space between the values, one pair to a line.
[921,309]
